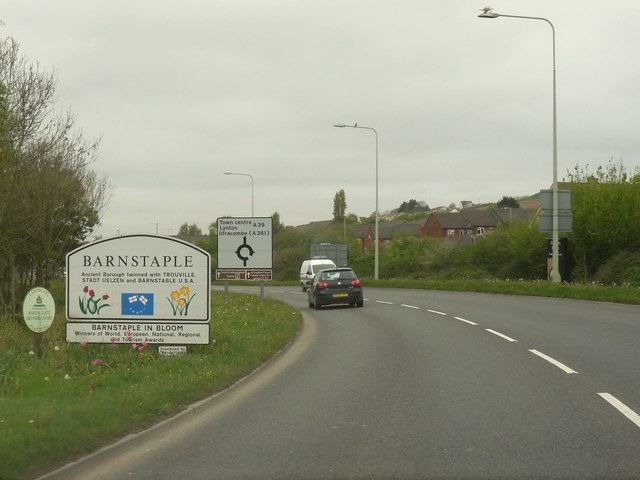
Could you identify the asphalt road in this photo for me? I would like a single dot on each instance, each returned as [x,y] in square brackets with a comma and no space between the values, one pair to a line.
[417,384]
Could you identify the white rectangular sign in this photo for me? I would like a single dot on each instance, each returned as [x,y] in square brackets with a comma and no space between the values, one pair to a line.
[130,333]
[245,242]
[172,350]
[138,288]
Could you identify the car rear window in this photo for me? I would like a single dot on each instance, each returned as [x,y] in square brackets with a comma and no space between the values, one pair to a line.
[323,266]
[339,275]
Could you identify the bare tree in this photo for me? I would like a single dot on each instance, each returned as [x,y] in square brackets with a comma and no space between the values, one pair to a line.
[50,198]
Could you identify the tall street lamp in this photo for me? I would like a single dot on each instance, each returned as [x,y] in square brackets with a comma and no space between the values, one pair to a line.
[488,12]
[245,175]
[376,238]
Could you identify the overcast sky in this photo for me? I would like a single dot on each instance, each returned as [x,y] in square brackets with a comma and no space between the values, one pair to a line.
[182,91]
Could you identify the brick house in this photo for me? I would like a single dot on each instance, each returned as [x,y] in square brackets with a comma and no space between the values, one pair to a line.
[461,226]
[447,224]
[469,223]
[387,231]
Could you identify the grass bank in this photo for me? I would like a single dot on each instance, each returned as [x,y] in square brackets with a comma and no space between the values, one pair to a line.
[78,398]
[593,292]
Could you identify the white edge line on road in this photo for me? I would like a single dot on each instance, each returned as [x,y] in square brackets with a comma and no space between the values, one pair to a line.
[553,361]
[382,301]
[622,408]
[465,321]
[501,335]
[436,312]
[410,306]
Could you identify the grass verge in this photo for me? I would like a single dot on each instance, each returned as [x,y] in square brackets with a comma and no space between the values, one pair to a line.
[593,292]
[76,399]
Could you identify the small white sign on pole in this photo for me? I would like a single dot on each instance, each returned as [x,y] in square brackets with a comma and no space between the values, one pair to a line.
[172,350]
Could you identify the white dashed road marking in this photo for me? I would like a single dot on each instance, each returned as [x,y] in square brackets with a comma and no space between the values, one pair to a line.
[613,401]
[465,321]
[553,361]
[502,335]
[622,408]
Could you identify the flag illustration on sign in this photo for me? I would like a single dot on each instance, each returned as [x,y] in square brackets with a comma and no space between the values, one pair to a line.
[137,304]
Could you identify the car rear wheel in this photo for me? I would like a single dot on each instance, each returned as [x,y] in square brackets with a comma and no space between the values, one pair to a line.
[360,303]
[316,304]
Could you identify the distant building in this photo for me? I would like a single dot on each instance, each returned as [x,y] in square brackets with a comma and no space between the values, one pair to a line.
[469,223]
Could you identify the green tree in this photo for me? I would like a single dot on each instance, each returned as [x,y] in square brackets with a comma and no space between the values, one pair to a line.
[290,249]
[51,229]
[352,218]
[413,206]
[516,250]
[339,205]
[605,219]
[50,198]
[507,202]
[405,256]
[276,225]
[621,269]
[189,230]
[209,243]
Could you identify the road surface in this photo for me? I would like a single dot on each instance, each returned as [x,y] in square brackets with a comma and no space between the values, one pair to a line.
[417,384]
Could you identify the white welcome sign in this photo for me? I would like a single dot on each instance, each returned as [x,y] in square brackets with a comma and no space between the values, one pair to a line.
[141,288]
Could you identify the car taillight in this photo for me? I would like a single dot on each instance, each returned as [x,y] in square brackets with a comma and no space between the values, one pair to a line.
[355,283]
[322,285]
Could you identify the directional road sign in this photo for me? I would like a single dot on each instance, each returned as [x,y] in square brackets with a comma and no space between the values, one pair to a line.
[245,243]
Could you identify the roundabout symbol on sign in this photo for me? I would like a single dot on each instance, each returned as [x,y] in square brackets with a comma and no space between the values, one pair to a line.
[244,246]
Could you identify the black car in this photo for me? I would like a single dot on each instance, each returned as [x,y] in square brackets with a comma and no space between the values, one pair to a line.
[335,286]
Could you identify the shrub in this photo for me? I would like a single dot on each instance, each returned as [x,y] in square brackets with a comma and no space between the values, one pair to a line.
[622,269]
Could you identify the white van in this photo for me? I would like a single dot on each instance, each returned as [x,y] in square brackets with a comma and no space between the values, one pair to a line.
[310,267]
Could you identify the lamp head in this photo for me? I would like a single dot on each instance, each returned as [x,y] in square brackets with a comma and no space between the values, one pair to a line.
[487,12]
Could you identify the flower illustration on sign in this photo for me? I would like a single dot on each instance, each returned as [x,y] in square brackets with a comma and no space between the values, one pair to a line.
[180,300]
[90,303]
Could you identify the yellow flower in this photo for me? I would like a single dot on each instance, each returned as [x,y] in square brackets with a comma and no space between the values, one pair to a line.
[184,291]
[182,302]
[175,295]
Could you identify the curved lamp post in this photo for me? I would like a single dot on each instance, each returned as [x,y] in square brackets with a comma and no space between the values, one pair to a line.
[245,175]
[488,12]
[376,239]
